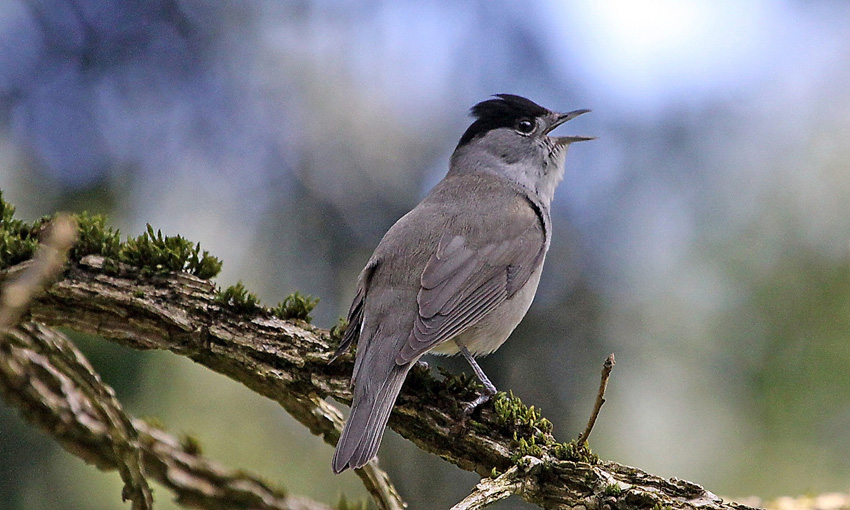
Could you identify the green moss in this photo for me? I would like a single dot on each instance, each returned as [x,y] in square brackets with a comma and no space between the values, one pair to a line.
[238,297]
[295,306]
[15,248]
[95,238]
[190,444]
[462,382]
[575,452]
[338,331]
[512,414]
[613,490]
[495,473]
[532,433]
[151,252]
[154,253]
[7,211]
[18,240]
[525,446]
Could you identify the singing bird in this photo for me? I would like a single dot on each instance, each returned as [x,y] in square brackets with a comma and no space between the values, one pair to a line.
[458,272]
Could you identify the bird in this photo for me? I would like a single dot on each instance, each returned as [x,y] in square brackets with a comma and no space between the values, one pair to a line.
[457,273]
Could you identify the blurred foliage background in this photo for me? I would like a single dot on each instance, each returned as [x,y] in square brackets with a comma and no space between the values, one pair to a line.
[704,238]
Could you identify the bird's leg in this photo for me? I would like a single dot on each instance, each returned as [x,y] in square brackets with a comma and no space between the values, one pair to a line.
[489,388]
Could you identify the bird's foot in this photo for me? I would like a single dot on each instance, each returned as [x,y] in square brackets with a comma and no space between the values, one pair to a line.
[489,388]
[485,395]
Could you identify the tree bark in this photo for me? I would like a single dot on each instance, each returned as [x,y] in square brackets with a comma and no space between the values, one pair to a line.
[44,375]
[289,362]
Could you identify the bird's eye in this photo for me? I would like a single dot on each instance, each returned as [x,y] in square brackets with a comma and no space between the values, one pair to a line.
[524,126]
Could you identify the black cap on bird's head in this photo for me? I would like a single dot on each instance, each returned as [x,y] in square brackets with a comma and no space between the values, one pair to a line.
[508,111]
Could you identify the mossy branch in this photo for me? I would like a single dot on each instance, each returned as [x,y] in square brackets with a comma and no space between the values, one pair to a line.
[289,362]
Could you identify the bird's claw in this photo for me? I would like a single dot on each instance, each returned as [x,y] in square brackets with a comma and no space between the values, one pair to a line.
[470,407]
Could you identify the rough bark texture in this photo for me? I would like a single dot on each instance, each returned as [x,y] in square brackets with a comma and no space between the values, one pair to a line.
[48,379]
[289,363]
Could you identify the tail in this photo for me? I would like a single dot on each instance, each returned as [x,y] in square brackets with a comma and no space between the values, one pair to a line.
[370,411]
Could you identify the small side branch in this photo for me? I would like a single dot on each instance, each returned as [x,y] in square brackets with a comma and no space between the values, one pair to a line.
[491,490]
[33,275]
[44,375]
[600,398]
[521,476]
[325,420]
[379,485]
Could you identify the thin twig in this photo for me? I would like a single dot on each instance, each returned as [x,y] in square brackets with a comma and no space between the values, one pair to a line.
[48,261]
[379,485]
[326,420]
[600,398]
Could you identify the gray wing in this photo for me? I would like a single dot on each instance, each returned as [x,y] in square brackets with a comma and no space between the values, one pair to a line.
[462,283]
[355,313]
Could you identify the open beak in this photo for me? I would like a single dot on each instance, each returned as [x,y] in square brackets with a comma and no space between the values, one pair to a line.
[560,118]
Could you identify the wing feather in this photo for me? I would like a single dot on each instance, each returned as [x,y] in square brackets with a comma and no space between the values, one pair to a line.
[355,312]
[462,284]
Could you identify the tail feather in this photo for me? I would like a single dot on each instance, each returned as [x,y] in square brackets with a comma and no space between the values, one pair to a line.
[370,412]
